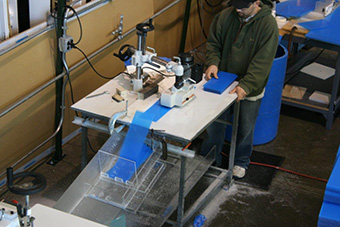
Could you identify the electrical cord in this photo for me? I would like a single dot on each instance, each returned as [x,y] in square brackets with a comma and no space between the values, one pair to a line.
[200,19]
[108,78]
[213,6]
[90,146]
[146,67]
[80,26]
[283,169]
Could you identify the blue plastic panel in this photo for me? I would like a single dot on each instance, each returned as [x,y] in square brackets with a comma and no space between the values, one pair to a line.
[329,215]
[219,85]
[332,192]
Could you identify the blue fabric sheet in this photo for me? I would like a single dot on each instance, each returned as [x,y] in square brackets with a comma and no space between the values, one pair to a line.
[331,20]
[326,30]
[329,35]
[295,8]
[133,152]
[157,110]
[219,85]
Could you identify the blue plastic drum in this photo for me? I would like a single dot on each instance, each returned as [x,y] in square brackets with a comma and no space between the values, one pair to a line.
[268,119]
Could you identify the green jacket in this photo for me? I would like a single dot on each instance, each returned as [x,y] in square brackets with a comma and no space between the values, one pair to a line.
[251,54]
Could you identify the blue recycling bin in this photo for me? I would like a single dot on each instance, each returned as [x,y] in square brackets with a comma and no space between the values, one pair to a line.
[268,118]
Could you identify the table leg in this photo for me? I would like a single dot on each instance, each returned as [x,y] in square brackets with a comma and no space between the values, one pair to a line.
[83,147]
[233,143]
[180,209]
[332,102]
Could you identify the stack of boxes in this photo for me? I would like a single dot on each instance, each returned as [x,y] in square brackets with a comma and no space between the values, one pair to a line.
[330,210]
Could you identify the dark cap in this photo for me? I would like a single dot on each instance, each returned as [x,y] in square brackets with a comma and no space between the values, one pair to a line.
[240,4]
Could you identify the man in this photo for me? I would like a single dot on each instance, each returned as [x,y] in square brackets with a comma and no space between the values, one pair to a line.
[242,40]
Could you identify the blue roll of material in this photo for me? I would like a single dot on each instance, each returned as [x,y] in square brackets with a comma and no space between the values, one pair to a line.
[219,85]
[133,152]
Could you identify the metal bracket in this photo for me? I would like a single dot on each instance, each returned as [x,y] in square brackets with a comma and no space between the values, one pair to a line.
[119,30]
[114,118]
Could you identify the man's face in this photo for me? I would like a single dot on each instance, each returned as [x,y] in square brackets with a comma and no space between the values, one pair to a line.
[246,12]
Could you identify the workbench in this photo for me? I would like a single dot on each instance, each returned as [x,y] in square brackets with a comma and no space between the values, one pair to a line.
[294,33]
[181,171]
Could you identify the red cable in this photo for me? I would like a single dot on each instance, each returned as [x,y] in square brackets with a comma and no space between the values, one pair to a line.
[186,146]
[286,170]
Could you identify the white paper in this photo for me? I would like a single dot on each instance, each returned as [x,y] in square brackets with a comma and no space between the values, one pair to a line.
[320,97]
[317,70]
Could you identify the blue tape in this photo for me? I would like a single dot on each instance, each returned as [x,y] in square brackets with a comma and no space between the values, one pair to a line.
[133,152]
[219,85]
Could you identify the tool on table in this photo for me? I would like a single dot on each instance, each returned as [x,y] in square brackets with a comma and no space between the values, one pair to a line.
[120,96]
[99,94]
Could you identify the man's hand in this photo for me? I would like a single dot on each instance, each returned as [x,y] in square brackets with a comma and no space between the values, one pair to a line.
[211,71]
[241,94]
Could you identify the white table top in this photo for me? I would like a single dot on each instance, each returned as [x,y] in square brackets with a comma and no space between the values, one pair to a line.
[184,123]
[47,216]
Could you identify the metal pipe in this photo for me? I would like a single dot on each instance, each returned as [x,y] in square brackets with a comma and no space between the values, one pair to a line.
[24,40]
[180,208]
[3,113]
[185,26]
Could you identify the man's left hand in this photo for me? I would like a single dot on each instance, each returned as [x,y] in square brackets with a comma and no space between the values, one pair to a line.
[241,94]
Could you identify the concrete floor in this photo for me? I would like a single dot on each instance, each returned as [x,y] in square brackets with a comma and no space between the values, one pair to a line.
[292,200]
[308,147]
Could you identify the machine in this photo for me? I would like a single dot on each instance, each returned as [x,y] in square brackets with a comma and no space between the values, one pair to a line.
[179,94]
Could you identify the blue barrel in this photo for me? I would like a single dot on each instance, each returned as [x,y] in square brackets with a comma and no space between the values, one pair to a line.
[268,119]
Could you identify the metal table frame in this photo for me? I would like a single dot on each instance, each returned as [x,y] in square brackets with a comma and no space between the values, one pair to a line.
[90,120]
[334,103]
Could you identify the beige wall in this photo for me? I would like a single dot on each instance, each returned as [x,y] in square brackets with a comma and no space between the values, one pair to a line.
[32,64]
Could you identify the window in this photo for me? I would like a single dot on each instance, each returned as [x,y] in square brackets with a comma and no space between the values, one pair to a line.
[19,15]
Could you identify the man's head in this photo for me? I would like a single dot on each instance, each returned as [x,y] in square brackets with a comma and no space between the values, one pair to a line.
[245,8]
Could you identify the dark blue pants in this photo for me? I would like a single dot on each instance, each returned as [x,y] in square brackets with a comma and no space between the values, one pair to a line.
[245,133]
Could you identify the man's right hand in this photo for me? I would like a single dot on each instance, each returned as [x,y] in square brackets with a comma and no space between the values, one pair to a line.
[211,71]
